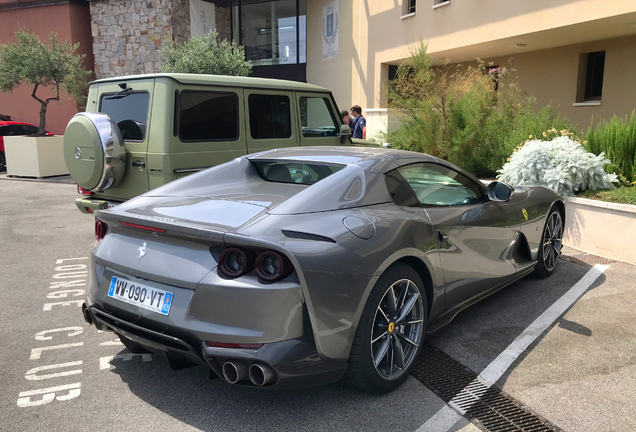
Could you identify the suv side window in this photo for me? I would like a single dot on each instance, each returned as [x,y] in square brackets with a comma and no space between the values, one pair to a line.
[270,116]
[437,186]
[316,117]
[208,116]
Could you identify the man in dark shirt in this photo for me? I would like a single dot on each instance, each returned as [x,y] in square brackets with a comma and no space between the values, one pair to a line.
[347,120]
[360,128]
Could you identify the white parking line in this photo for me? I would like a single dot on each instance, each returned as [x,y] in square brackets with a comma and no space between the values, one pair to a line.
[446,418]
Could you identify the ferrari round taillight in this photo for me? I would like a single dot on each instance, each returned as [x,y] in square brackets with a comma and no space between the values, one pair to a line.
[271,266]
[234,262]
[100,230]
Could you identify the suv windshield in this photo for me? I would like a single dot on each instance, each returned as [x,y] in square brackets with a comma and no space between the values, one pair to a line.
[305,173]
[129,111]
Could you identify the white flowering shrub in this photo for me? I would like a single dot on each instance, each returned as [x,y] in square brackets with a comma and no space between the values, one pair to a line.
[562,164]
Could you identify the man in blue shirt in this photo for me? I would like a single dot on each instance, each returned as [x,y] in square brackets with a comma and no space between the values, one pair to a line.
[347,120]
[360,128]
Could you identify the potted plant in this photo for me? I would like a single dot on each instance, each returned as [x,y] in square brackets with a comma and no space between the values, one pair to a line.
[54,65]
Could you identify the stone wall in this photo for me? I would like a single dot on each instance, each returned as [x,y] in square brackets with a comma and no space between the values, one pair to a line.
[128,34]
[223,18]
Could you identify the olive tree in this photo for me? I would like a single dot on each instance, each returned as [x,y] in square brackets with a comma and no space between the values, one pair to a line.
[55,65]
[206,55]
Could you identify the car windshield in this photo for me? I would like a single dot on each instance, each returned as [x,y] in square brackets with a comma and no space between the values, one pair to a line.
[297,172]
[129,111]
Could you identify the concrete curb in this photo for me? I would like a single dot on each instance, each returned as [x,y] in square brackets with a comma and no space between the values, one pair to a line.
[601,228]
[603,204]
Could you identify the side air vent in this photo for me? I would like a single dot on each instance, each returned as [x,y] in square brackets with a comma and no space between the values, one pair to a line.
[307,236]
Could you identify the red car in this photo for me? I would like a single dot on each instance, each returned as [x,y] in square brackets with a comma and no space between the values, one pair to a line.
[12,128]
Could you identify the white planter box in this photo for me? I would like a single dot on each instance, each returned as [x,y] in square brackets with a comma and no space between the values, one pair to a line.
[35,156]
[601,228]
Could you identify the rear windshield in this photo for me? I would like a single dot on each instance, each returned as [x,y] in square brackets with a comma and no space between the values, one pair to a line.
[305,173]
[129,111]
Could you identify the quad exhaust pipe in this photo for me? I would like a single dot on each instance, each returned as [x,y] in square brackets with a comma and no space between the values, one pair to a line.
[261,374]
[234,371]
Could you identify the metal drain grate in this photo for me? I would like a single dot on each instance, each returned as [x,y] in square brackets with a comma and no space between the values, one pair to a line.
[488,407]
[584,258]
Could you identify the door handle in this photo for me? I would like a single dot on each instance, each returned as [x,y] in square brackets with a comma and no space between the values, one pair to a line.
[138,164]
[441,236]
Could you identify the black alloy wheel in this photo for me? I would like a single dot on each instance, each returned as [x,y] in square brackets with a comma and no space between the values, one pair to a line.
[551,244]
[390,333]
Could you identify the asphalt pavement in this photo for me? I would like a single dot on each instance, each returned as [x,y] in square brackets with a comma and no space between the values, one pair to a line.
[60,374]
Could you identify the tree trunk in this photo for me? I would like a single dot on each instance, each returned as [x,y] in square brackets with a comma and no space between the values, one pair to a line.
[43,118]
[45,104]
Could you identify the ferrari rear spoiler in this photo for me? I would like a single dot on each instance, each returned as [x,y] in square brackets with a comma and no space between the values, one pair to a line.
[161,225]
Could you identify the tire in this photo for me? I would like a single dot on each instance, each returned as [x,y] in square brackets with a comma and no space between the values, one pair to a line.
[551,245]
[387,376]
[3,162]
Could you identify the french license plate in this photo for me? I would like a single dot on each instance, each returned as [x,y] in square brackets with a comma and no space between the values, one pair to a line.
[146,297]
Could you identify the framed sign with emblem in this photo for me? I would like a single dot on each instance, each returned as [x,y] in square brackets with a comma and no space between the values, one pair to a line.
[330,17]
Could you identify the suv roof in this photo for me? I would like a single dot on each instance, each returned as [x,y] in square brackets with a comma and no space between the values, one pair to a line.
[378,158]
[224,80]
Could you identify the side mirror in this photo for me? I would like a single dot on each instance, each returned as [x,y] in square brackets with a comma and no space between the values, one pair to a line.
[345,132]
[498,191]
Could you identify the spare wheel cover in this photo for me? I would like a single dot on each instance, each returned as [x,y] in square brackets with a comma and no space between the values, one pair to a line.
[94,151]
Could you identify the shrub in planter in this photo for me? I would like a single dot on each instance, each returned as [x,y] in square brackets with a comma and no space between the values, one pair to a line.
[617,139]
[471,116]
[562,164]
[206,55]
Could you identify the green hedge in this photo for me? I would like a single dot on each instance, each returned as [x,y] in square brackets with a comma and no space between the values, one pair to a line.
[617,138]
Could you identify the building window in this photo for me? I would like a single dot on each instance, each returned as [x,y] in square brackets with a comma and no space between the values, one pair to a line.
[594,75]
[590,82]
[272,32]
[393,70]
[493,72]
[440,3]
[408,7]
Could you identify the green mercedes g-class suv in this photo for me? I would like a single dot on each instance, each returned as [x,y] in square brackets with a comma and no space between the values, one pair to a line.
[140,132]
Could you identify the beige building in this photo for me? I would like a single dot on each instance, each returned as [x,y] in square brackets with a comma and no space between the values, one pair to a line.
[580,54]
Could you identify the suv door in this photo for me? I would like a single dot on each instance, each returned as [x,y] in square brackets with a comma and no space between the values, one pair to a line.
[208,128]
[132,112]
[271,120]
[475,236]
[319,124]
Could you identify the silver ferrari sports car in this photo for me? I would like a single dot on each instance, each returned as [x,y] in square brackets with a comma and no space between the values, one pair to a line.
[301,266]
